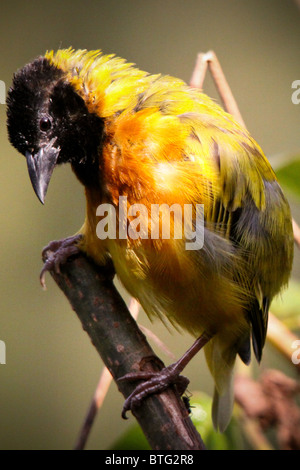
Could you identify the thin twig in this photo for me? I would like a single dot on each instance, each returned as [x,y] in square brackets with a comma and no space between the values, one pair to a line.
[150,335]
[282,338]
[96,403]
[210,60]
[296,229]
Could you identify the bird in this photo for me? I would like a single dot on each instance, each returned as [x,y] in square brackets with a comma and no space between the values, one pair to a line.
[144,141]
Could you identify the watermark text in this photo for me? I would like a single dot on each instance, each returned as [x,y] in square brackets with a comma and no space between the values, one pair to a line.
[296,94]
[2,352]
[160,221]
[2,92]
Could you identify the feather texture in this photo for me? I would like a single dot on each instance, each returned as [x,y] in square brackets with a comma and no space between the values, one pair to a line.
[161,143]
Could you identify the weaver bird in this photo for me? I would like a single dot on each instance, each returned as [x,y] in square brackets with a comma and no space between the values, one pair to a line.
[155,140]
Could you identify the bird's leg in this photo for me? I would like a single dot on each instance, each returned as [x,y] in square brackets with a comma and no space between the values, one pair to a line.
[156,382]
[56,253]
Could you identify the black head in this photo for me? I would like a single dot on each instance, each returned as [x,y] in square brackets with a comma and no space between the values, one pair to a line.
[49,123]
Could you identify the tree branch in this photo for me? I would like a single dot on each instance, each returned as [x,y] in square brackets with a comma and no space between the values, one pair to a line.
[122,346]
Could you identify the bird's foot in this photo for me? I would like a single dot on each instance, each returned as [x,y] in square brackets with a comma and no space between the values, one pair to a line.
[57,253]
[154,382]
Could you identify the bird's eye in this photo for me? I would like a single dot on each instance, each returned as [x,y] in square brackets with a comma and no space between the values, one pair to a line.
[45,123]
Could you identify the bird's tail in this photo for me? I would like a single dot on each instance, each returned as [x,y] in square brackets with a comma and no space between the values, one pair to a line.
[220,359]
[222,406]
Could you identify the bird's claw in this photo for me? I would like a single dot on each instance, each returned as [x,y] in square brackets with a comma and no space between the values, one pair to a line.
[154,382]
[56,253]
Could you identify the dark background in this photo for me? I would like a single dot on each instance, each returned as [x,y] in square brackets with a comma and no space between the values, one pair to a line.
[52,368]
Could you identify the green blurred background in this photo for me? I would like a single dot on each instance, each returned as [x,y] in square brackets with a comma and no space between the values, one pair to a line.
[52,368]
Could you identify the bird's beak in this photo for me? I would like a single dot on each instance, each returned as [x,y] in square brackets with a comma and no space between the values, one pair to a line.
[40,168]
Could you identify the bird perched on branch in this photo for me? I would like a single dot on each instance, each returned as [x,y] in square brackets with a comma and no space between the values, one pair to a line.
[154,141]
